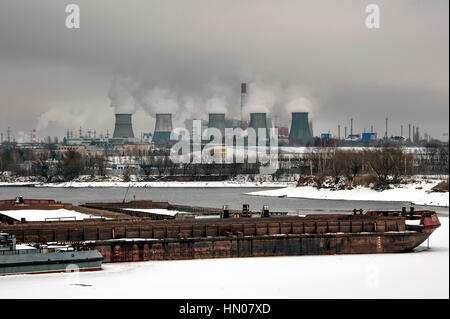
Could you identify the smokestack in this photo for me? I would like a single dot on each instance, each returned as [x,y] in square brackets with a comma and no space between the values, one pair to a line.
[339,132]
[163,128]
[217,120]
[301,128]
[243,98]
[386,133]
[259,120]
[123,127]
[409,132]
[351,127]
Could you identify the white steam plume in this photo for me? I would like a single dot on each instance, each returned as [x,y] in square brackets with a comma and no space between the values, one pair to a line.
[121,94]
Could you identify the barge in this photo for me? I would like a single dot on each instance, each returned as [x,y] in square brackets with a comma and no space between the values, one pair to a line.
[45,259]
[235,235]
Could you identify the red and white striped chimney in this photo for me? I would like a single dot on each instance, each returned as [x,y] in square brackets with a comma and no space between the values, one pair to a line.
[243,99]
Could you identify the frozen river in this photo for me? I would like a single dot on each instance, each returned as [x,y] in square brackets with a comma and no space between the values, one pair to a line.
[419,274]
[201,196]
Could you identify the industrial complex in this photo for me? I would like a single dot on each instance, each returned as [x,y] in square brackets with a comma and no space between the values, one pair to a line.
[300,132]
[148,154]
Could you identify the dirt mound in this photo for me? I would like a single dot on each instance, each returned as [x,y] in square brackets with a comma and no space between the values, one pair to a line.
[442,187]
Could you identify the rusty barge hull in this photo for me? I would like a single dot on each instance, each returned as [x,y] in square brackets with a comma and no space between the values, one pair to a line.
[144,239]
[257,246]
[94,230]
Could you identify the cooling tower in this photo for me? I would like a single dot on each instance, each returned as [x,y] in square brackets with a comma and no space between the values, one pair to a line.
[259,120]
[163,128]
[217,120]
[300,128]
[123,127]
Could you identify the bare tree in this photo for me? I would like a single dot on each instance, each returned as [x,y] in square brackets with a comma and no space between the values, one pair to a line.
[73,165]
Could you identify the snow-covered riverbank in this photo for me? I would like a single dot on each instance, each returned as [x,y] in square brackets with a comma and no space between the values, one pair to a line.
[170,184]
[154,184]
[418,193]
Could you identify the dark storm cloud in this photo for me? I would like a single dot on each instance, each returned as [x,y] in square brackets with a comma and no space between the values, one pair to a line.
[190,56]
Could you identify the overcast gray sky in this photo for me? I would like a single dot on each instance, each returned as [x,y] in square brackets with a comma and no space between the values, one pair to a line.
[189,57]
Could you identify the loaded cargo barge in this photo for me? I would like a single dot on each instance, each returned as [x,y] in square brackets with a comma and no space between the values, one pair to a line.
[234,235]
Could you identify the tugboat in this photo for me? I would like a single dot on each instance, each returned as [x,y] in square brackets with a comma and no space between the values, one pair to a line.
[44,258]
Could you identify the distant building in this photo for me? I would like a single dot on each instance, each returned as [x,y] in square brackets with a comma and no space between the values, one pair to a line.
[354,137]
[369,137]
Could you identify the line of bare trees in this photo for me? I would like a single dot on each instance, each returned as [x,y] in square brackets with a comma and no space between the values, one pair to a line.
[380,166]
[49,165]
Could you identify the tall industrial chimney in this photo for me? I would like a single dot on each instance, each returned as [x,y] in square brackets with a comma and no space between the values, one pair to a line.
[351,127]
[301,129]
[163,128]
[217,120]
[243,99]
[386,132]
[123,127]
